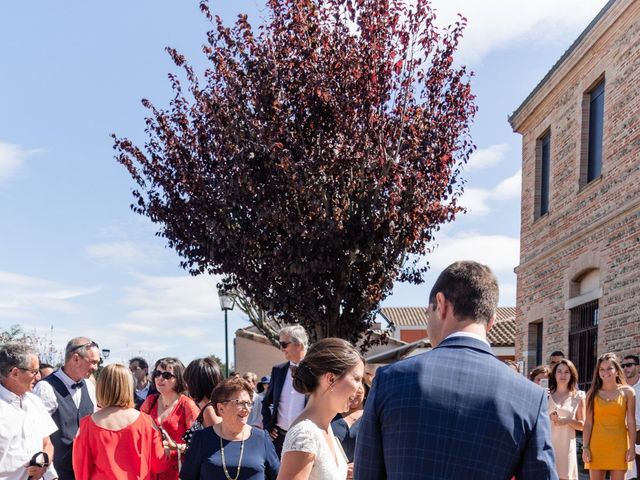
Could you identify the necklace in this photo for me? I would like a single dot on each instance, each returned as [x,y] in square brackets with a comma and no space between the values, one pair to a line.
[224,463]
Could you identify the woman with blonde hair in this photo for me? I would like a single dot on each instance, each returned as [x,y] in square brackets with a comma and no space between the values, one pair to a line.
[566,411]
[610,424]
[117,442]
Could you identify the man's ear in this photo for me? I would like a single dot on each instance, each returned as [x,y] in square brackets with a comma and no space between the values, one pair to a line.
[442,305]
[492,321]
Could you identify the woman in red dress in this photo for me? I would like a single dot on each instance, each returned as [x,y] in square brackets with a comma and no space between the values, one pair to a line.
[117,442]
[172,411]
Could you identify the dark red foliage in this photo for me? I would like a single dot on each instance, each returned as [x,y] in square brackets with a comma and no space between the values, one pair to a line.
[316,160]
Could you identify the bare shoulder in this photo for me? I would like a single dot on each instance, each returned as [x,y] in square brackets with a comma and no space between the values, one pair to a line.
[628,391]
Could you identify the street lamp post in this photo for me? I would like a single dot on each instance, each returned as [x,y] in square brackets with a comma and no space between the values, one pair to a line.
[226,303]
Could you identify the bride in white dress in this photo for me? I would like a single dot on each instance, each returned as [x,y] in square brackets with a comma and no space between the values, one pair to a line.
[330,374]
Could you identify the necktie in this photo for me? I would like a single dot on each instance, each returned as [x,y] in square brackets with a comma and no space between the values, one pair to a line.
[79,384]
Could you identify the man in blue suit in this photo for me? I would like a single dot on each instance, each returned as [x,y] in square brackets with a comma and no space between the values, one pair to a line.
[456,412]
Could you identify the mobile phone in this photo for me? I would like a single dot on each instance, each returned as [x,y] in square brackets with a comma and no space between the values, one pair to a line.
[544,383]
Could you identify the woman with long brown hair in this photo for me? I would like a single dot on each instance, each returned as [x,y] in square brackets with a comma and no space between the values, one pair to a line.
[610,424]
[566,411]
[171,409]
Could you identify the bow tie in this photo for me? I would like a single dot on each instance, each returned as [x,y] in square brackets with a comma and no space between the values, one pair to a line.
[79,384]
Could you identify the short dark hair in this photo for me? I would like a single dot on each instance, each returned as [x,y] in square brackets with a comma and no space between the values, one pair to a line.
[329,355]
[142,363]
[45,365]
[177,368]
[635,358]
[557,353]
[471,288]
[227,388]
[201,376]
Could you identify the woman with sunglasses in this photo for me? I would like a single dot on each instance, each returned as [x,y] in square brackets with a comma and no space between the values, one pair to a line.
[172,411]
[231,449]
[610,423]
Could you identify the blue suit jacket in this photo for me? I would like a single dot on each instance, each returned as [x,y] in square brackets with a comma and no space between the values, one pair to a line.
[272,397]
[456,412]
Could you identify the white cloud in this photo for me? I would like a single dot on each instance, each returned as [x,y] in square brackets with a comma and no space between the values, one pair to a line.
[12,158]
[171,300]
[123,253]
[487,157]
[498,24]
[26,297]
[477,200]
[509,188]
[500,252]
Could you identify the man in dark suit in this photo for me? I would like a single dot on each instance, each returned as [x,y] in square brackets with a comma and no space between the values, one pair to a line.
[282,404]
[456,412]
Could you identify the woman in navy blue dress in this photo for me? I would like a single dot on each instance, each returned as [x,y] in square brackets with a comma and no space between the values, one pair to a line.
[231,449]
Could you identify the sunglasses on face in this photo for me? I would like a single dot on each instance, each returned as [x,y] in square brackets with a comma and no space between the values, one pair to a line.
[84,345]
[628,365]
[165,375]
[285,344]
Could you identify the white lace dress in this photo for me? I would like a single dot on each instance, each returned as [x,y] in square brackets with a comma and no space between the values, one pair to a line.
[305,436]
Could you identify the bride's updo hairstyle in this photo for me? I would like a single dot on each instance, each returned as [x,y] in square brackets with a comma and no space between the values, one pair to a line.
[329,355]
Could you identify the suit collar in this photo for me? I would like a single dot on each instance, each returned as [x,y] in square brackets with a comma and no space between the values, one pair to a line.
[465,341]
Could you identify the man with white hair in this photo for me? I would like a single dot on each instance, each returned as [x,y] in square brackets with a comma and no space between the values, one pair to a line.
[68,398]
[282,403]
[25,425]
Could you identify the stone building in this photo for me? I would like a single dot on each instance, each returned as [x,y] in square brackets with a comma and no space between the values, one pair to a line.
[579,271]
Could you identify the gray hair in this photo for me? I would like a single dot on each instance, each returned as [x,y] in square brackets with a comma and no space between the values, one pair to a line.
[79,345]
[15,355]
[297,334]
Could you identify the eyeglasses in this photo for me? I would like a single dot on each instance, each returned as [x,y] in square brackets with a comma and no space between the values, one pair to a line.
[32,372]
[628,365]
[285,344]
[84,345]
[165,375]
[240,403]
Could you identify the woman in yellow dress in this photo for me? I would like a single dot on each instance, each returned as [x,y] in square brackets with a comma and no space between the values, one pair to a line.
[610,425]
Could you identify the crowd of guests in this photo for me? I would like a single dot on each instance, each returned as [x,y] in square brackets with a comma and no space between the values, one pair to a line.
[316,416]
[608,414]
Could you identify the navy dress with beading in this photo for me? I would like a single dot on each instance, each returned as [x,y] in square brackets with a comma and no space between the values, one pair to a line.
[203,459]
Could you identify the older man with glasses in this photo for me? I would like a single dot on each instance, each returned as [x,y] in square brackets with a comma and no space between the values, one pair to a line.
[632,375]
[68,398]
[25,425]
[282,404]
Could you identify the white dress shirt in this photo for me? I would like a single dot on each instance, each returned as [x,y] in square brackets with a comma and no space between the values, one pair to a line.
[291,403]
[24,423]
[45,391]
[468,335]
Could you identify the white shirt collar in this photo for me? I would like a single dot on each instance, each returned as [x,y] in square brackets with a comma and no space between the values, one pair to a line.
[10,397]
[66,379]
[468,335]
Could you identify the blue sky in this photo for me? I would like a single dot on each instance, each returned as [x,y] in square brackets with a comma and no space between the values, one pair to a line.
[72,254]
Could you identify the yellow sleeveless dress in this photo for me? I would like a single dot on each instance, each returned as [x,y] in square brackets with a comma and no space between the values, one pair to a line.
[609,440]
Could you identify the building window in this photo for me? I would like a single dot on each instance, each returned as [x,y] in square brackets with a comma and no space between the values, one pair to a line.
[534,357]
[596,128]
[543,169]
[583,341]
